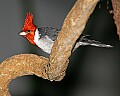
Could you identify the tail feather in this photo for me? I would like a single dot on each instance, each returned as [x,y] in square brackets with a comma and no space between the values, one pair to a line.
[85,41]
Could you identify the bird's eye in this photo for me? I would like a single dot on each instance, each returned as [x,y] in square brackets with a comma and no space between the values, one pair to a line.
[28,31]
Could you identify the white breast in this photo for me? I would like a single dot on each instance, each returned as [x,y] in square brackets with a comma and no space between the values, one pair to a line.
[44,43]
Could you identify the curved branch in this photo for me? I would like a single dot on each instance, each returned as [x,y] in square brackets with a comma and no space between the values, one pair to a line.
[72,28]
[27,64]
[20,65]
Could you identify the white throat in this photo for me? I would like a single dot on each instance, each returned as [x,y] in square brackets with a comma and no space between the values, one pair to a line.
[45,43]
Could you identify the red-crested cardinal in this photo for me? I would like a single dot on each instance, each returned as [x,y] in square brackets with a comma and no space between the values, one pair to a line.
[44,37]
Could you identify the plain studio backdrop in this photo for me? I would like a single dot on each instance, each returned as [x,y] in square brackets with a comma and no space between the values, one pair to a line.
[92,71]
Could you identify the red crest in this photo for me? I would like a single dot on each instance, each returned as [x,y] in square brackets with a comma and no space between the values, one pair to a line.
[28,25]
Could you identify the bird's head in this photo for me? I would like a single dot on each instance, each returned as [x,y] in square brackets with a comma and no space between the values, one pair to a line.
[28,30]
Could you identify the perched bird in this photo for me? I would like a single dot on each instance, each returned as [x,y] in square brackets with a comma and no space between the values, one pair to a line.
[44,37]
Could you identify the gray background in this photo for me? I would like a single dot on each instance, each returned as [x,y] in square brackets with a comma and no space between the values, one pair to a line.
[92,71]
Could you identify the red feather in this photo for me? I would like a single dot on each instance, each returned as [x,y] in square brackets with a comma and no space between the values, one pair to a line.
[28,25]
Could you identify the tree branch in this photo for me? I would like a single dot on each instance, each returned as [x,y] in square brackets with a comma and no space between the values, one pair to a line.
[116,7]
[20,65]
[72,28]
[53,69]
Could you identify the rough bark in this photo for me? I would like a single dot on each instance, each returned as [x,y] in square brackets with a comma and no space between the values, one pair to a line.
[20,65]
[72,28]
[116,8]
[53,69]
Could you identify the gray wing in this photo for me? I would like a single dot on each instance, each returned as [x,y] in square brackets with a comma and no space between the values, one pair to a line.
[49,31]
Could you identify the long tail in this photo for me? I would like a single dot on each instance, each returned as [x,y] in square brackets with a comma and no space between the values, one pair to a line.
[85,41]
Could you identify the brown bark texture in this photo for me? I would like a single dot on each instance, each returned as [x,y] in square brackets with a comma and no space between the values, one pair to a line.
[72,28]
[20,65]
[53,68]
[116,8]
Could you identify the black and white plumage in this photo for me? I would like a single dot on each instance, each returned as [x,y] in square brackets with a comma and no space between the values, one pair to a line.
[45,37]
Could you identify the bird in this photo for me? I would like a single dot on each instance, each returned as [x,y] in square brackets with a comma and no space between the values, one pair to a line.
[44,37]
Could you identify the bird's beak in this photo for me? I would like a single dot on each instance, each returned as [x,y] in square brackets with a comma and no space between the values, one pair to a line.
[22,33]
